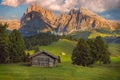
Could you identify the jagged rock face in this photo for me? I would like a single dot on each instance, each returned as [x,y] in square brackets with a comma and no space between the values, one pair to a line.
[84,19]
[37,19]
[12,24]
[61,23]
[44,14]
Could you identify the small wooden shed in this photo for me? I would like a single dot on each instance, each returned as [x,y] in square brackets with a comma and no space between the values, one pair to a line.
[44,59]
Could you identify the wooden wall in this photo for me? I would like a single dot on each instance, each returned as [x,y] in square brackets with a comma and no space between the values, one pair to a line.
[43,60]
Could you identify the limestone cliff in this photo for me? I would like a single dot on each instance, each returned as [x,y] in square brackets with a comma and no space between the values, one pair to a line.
[12,24]
[37,19]
[84,19]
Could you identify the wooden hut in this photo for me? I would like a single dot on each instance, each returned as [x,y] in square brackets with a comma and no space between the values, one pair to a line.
[44,59]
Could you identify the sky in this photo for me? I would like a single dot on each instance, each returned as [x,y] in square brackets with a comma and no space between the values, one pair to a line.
[14,9]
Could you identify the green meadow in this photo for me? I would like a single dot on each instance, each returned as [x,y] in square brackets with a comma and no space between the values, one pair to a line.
[94,33]
[65,70]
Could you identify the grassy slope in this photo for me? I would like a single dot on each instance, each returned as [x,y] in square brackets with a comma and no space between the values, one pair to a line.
[65,70]
[114,49]
[57,48]
[82,34]
[94,34]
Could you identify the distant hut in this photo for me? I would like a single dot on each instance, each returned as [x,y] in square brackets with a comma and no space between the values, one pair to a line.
[44,59]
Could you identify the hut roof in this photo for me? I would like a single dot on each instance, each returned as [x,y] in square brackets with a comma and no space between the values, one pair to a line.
[45,52]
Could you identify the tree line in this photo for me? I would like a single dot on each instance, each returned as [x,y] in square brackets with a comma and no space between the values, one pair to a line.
[88,52]
[41,39]
[12,47]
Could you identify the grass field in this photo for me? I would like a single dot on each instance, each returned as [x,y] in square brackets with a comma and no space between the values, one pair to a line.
[114,49]
[65,70]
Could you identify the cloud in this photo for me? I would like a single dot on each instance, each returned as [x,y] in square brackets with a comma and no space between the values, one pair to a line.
[66,5]
[59,5]
[13,3]
[99,5]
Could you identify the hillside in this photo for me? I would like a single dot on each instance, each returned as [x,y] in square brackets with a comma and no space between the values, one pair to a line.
[65,70]
[66,46]
[108,35]
[115,49]
[62,46]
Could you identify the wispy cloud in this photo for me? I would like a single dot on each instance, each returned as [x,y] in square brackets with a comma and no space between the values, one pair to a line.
[13,3]
[66,5]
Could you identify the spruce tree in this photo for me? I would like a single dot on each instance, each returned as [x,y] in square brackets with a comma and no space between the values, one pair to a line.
[4,44]
[17,47]
[102,53]
[81,54]
[93,52]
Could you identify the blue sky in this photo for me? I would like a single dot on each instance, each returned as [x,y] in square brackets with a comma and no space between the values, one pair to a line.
[7,12]
[14,9]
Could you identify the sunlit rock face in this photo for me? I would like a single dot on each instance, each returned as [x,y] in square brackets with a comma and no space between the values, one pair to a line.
[37,19]
[83,19]
[12,24]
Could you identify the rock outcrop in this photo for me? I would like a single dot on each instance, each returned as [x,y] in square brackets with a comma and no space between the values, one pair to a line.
[12,24]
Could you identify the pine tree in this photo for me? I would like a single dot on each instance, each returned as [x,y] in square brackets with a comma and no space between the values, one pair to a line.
[102,53]
[93,52]
[81,54]
[4,44]
[17,47]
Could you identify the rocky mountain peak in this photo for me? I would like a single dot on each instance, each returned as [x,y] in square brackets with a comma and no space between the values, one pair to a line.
[72,11]
[38,19]
[86,12]
[44,13]
[33,7]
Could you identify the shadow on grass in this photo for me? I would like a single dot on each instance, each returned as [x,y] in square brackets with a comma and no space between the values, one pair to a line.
[25,64]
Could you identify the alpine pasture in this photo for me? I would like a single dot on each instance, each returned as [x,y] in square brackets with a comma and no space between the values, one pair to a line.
[65,70]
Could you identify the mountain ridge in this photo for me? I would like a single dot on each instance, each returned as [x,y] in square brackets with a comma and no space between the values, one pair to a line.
[37,19]
[12,24]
